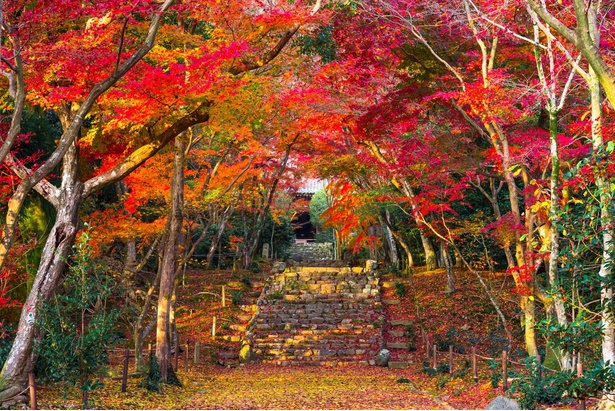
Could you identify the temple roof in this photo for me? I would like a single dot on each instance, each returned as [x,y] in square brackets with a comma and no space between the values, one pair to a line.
[311,185]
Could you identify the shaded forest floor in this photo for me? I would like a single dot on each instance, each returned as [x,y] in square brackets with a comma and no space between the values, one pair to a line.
[462,319]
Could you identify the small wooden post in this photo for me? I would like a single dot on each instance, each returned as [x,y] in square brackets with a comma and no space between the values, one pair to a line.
[176,365]
[197,352]
[125,371]
[435,357]
[581,402]
[474,365]
[223,296]
[450,360]
[33,404]
[505,370]
[186,357]
[213,328]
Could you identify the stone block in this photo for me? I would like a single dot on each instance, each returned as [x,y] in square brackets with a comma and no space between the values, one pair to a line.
[401,322]
[398,364]
[503,403]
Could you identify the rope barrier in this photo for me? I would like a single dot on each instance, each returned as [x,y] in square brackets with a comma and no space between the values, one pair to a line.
[493,359]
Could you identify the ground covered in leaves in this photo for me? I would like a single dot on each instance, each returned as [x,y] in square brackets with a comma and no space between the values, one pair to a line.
[463,319]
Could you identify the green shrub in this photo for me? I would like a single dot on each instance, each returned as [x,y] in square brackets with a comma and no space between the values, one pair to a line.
[7,335]
[400,289]
[411,334]
[77,326]
[441,368]
[254,267]
[236,296]
[151,379]
[496,375]
[246,281]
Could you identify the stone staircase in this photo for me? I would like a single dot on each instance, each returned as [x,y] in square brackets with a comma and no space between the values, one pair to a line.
[400,335]
[311,251]
[317,316]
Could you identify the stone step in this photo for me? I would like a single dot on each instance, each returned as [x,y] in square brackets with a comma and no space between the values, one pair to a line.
[399,364]
[238,327]
[391,302]
[394,333]
[397,346]
[401,322]
[231,338]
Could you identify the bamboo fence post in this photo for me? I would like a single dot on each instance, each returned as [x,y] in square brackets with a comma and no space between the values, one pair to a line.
[176,365]
[474,365]
[197,352]
[223,296]
[450,360]
[32,381]
[213,328]
[186,356]
[505,370]
[581,401]
[125,370]
[435,357]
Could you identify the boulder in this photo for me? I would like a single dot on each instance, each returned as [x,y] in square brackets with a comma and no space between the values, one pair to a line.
[383,357]
[503,403]
[245,354]
[278,267]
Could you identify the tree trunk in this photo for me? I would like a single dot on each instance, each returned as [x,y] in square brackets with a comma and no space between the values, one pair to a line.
[252,236]
[606,291]
[560,309]
[169,261]
[216,240]
[72,129]
[394,254]
[450,272]
[431,258]
[21,358]
[140,333]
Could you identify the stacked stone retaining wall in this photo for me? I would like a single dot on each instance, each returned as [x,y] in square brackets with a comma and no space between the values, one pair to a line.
[318,316]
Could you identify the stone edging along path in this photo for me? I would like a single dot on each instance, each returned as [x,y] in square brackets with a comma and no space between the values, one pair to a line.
[317,316]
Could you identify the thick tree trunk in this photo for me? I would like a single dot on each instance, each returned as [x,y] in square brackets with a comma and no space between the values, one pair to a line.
[21,358]
[169,262]
[431,258]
